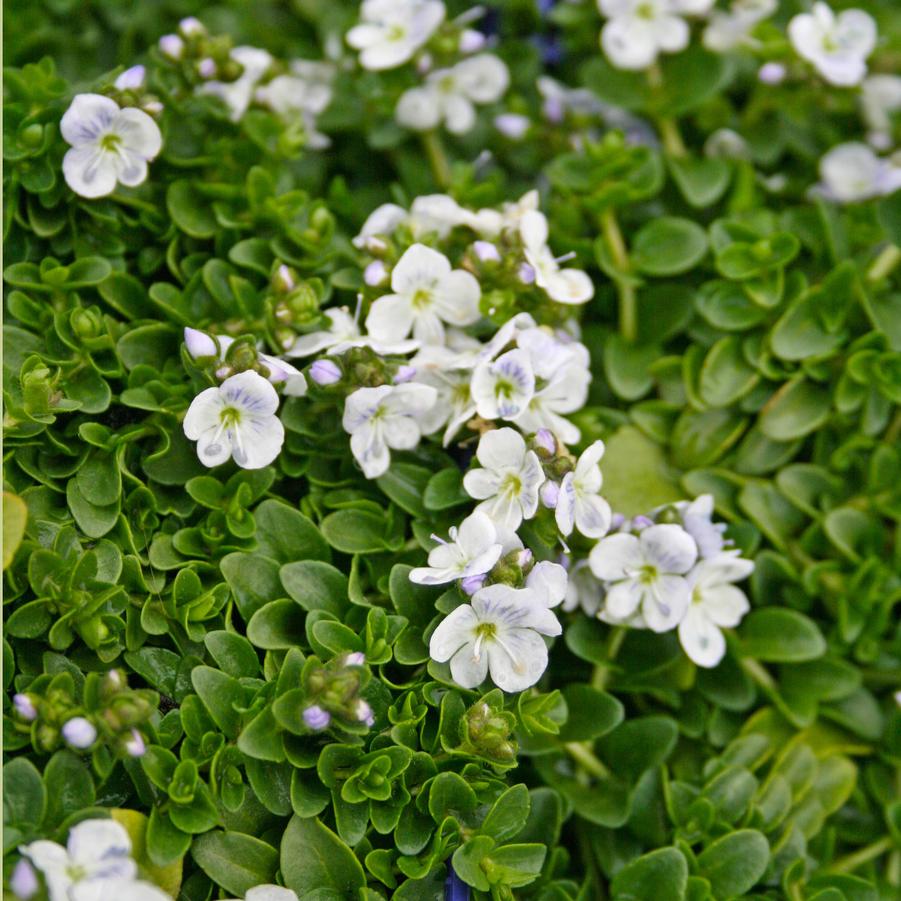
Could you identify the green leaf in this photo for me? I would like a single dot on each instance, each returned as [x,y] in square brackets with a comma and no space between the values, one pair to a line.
[405,484]
[661,875]
[797,409]
[313,857]
[355,531]
[636,474]
[24,797]
[278,625]
[508,814]
[15,518]
[235,861]
[734,863]
[191,214]
[592,713]
[668,245]
[285,534]
[889,211]
[316,585]
[234,653]
[220,694]
[779,635]
[701,180]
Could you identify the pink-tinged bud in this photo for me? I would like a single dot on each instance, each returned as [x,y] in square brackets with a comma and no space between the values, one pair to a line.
[616,521]
[404,374]
[549,494]
[23,880]
[325,372]
[364,713]
[524,558]
[486,251]
[135,746]
[512,125]
[223,372]
[526,274]
[131,79]
[172,45]
[356,658]
[200,344]
[283,280]
[191,27]
[152,107]
[554,110]
[424,63]
[25,707]
[772,73]
[471,584]
[316,718]
[545,439]
[641,522]
[376,273]
[471,41]
[206,68]
[79,732]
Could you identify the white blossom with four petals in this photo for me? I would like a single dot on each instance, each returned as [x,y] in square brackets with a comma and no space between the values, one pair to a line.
[836,45]
[570,286]
[579,503]
[473,550]
[852,172]
[391,31]
[498,633]
[237,420]
[508,482]
[109,145]
[385,418]
[503,388]
[646,574]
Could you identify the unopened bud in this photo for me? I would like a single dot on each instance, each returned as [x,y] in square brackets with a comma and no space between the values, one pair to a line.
[131,79]
[641,522]
[471,41]
[524,558]
[172,45]
[486,252]
[152,107]
[23,880]
[356,658]
[550,494]
[424,63]
[325,372]
[364,713]
[316,718]
[404,374]
[526,274]
[772,73]
[134,745]
[284,279]
[616,521]
[375,273]
[512,125]
[25,707]
[544,438]
[200,344]
[471,584]
[206,68]
[191,27]
[79,732]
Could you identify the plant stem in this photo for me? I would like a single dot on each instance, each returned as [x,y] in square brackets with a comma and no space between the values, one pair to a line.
[893,432]
[601,672]
[851,862]
[434,150]
[883,265]
[758,673]
[671,136]
[628,307]
[583,755]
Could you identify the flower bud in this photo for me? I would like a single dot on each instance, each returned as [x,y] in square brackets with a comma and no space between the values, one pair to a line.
[152,107]
[363,713]
[526,274]
[544,439]
[512,125]
[206,68]
[375,273]
[424,63]
[641,522]
[404,374]
[131,79]
[486,252]
[471,41]
[200,344]
[284,279]
[23,880]
[549,494]
[524,558]
[356,658]
[79,732]
[134,745]
[316,718]
[172,45]
[772,73]
[25,707]
[554,110]
[616,521]
[191,27]
[471,584]
[325,372]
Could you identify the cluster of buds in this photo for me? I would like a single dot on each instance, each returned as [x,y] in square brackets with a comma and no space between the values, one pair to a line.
[130,89]
[454,38]
[293,303]
[111,715]
[333,693]
[556,461]
[205,56]
[487,731]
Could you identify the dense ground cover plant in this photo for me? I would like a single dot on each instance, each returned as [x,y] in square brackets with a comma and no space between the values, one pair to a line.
[452,450]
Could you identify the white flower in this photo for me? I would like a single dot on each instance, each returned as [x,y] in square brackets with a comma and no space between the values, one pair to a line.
[294,97]
[638,30]
[547,583]
[648,574]
[95,865]
[503,388]
[427,294]
[498,633]
[508,483]
[450,95]
[837,46]
[449,373]
[563,285]
[237,94]
[109,145]
[579,502]
[880,99]
[852,172]
[238,420]
[715,604]
[731,29]
[385,417]
[472,551]
[583,590]
[391,31]
[697,520]
[342,334]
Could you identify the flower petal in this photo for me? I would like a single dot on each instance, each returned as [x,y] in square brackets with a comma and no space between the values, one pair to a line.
[593,516]
[501,448]
[701,639]
[468,670]
[88,116]
[669,547]
[623,599]
[203,414]
[139,132]
[724,605]
[250,393]
[613,557]
[518,664]
[390,318]
[419,267]
[89,171]
[664,607]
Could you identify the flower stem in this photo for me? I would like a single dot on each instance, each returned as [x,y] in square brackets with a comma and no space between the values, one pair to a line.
[884,264]
[601,673]
[851,862]
[666,125]
[616,245]
[583,755]
[434,150]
